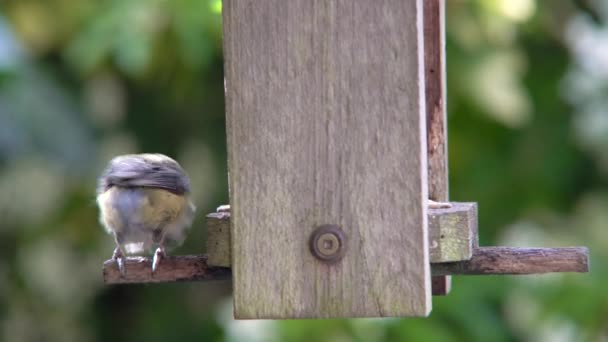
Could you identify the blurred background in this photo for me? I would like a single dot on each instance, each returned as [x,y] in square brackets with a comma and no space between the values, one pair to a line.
[84,80]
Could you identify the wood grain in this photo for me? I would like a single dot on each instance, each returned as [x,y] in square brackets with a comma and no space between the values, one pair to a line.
[435,77]
[326,125]
[452,234]
[218,239]
[441,285]
[512,260]
[436,125]
[485,261]
[171,269]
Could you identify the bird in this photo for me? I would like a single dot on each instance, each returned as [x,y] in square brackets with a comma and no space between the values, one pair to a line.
[144,202]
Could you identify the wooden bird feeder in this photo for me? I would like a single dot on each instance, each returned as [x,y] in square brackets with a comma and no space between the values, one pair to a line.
[336,130]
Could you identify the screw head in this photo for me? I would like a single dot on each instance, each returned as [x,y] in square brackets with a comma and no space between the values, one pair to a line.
[328,243]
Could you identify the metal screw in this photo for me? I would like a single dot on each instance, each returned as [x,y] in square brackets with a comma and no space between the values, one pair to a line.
[328,243]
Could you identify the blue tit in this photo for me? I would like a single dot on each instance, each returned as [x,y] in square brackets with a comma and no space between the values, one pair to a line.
[144,201]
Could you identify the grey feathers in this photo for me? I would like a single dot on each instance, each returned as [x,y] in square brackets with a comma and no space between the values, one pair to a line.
[144,170]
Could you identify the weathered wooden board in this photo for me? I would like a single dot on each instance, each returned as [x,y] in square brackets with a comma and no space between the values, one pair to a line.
[514,260]
[171,269]
[452,234]
[218,239]
[435,77]
[326,125]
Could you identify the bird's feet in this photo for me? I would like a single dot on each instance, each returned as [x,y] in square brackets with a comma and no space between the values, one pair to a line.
[438,205]
[158,256]
[120,261]
[223,208]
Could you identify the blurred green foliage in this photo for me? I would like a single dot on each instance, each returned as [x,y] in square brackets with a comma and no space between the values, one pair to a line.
[83,80]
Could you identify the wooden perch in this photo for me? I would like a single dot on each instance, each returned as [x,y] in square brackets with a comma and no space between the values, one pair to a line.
[171,269]
[452,236]
[512,260]
[485,261]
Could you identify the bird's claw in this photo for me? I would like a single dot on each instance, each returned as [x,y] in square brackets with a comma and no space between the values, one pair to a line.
[223,208]
[158,255]
[120,261]
[439,205]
